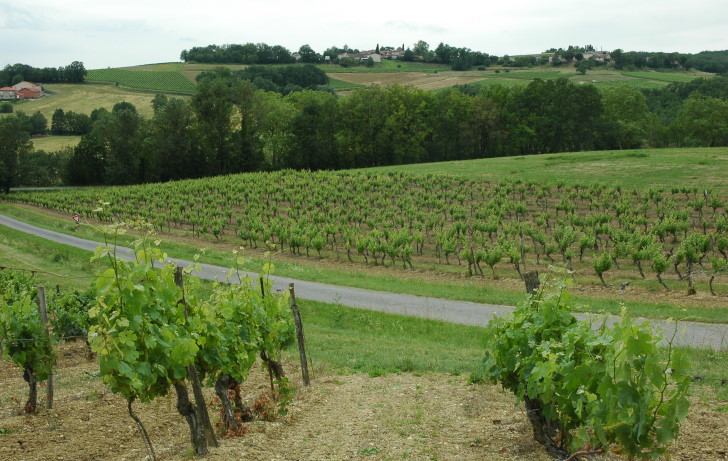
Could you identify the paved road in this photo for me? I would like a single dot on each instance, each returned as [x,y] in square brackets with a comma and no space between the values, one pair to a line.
[690,333]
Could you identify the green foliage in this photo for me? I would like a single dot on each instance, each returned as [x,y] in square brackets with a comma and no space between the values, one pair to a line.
[596,385]
[167,81]
[139,334]
[68,313]
[23,337]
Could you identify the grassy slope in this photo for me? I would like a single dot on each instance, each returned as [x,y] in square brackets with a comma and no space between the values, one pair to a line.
[664,168]
[83,98]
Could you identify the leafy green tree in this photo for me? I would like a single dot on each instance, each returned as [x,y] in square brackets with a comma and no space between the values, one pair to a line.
[14,144]
[702,121]
[213,109]
[87,164]
[308,54]
[171,143]
[626,109]
[38,123]
[58,122]
[314,128]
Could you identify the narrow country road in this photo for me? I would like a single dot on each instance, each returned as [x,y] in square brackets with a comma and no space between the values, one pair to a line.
[689,333]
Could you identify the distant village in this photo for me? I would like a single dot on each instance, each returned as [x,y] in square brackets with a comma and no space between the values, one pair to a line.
[22,90]
[375,55]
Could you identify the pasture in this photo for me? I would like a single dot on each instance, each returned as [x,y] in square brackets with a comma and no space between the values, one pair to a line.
[642,169]
[55,143]
[84,98]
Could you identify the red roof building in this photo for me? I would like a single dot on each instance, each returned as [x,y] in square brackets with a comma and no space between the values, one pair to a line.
[29,93]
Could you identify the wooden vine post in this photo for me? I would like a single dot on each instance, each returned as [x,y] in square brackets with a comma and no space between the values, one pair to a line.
[299,336]
[43,310]
[532,282]
[204,416]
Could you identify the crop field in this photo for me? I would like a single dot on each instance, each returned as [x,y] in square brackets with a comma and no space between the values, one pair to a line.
[465,226]
[168,81]
[431,77]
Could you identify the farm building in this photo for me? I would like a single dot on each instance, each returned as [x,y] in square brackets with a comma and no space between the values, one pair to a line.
[8,93]
[362,56]
[29,93]
[25,84]
[27,90]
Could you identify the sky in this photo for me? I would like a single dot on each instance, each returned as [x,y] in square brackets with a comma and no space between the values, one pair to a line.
[101,33]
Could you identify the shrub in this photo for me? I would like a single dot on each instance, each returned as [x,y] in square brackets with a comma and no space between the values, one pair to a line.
[587,388]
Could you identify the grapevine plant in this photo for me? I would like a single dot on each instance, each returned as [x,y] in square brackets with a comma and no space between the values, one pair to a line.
[23,337]
[588,388]
[152,333]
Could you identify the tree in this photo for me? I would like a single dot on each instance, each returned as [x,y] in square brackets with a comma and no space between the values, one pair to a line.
[75,72]
[702,121]
[308,54]
[87,165]
[625,108]
[213,110]
[39,123]
[58,122]
[14,143]
[421,48]
[171,145]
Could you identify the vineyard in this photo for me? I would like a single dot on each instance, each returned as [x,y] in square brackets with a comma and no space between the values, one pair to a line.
[149,333]
[667,239]
[167,81]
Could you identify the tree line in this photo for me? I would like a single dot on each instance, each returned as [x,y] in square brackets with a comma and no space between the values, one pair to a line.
[231,126]
[16,73]
[460,58]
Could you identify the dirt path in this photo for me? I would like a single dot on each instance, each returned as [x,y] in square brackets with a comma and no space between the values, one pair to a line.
[340,417]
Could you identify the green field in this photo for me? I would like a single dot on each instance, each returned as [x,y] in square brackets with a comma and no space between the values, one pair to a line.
[645,168]
[664,76]
[84,98]
[167,81]
[55,143]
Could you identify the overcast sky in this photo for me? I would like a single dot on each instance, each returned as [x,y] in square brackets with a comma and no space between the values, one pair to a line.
[51,33]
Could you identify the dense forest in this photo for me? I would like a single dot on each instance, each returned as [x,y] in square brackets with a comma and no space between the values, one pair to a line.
[231,126]
[16,73]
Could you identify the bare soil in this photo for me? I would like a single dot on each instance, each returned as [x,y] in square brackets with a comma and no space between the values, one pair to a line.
[398,416]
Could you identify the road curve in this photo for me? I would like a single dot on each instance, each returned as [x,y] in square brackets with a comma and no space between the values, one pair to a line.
[692,334]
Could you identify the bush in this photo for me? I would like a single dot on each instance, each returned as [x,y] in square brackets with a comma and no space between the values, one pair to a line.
[6,108]
[588,388]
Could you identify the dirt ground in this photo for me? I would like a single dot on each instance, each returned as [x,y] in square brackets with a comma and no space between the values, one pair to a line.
[398,416]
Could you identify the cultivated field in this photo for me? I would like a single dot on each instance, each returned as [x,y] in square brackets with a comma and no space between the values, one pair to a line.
[408,229]
[420,75]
